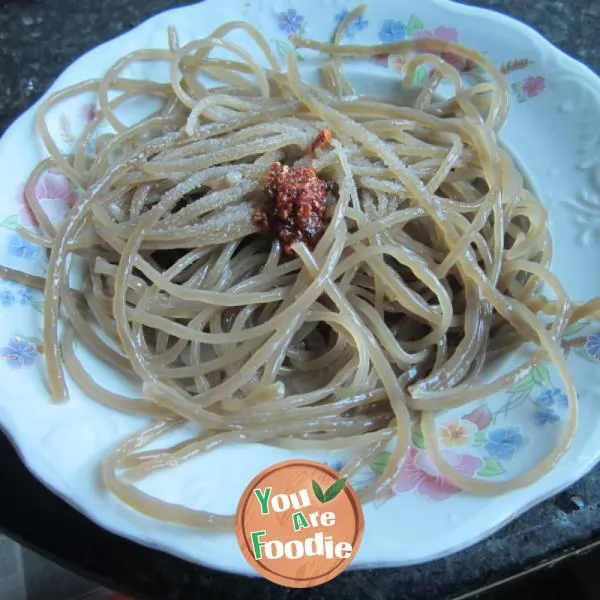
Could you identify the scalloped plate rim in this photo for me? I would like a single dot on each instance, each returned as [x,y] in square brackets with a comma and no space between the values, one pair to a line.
[35,462]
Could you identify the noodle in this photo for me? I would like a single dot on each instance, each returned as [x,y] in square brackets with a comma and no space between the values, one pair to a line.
[432,258]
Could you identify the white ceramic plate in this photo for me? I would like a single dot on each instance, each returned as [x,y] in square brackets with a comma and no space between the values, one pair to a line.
[553,130]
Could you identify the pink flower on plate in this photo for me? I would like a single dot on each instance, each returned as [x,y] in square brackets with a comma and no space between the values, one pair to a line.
[420,474]
[441,33]
[55,195]
[532,86]
[481,417]
[448,34]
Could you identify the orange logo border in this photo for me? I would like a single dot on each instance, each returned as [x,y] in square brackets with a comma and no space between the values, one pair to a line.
[243,537]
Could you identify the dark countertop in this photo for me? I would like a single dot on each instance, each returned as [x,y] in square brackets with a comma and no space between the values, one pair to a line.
[562,526]
[71,27]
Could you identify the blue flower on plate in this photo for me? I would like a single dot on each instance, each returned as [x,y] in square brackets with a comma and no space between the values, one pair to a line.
[592,346]
[392,31]
[545,416]
[19,353]
[504,442]
[552,396]
[7,298]
[17,246]
[336,465]
[290,21]
[357,25]
[26,295]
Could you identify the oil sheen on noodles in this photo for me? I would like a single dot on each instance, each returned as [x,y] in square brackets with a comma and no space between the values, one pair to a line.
[433,260]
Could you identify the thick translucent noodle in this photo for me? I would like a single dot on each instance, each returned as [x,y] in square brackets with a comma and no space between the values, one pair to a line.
[434,256]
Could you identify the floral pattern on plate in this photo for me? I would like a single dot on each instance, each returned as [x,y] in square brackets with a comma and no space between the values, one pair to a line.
[22,248]
[290,22]
[55,195]
[14,295]
[394,30]
[412,516]
[21,351]
[476,444]
[356,26]
[472,445]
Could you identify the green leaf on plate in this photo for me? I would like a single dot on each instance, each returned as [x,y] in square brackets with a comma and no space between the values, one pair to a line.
[516,86]
[11,223]
[414,24]
[524,385]
[285,48]
[420,76]
[541,376]
[334,489]
[418,440]
[583,354]
[575,328]
[39,306]
[31,340]
[318,491]
[480,438]
[381,461]
[492,467]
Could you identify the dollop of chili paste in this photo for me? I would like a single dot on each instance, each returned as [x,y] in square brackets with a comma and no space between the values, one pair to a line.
[296,206]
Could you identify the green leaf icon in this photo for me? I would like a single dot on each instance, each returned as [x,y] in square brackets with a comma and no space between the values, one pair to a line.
[334,489]
[318,491]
